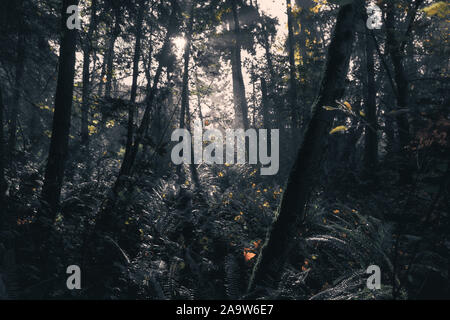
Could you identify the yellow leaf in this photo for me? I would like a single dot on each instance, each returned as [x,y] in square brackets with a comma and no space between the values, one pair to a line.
[316,8]
[121,152]
[110,124]
[329,108]
[441,9]
[338,129]
[348,105]
[92,130]
[362,113]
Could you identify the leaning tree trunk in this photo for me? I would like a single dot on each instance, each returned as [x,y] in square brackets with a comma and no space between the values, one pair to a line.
[104,220]
[54,172]
[306,170]
[98,261]
[240,101]
[86,75]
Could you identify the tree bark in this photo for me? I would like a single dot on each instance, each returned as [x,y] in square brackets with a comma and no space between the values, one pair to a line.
[371,138]
[107,220]
[306,170]
[110,55]
[265,111]
[2,159]
[187,55]
[240,101]
[137,54]
[399,75]
[395,49]
[86,75]
[104,221]
[292,80]
[54,172]
[185,112]
[17,92]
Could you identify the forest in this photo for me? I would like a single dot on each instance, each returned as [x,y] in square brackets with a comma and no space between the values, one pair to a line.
[224,150]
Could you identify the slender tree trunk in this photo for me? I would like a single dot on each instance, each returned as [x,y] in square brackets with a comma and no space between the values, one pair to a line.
[102,77]
[137,54]
[187,56]
[185,112]
[240,101]
[2,159]
[399,75]
[104,221]
[371,138]
[265,111]
[306,169]
[17,92]
[110,55]
[271,86]
[395,49]
[268,56]
[86,75]
[292,78]
[199,102]
[54,172]
[107,221]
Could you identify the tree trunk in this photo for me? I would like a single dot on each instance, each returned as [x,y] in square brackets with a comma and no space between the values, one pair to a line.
[371,138]
[199,102]
[101,83]
[107,220]
[104,221]
[395,49]
[86,75]
[240,101]
[110,55]
[265,111]
[2,159]
[292,81]
[306,170]
[137,54]
[17,92]
[54,172]
[187,55]
[185,112]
